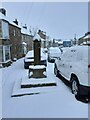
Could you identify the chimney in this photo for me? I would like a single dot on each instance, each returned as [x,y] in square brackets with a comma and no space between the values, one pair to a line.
[3,11]
[25,26]
[15,21]
[41,34]
[87,33]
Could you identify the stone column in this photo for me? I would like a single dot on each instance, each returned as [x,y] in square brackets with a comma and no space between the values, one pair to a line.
[37,52]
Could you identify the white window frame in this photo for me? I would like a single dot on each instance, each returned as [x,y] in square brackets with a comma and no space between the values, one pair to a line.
[1,53]
[1,29]
[4,57]
[14,32]
[5,30]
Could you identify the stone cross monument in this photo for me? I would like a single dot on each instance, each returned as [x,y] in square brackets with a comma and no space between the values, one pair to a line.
[37,52]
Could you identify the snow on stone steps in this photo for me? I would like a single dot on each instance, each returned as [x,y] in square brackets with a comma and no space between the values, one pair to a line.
[18,91]
[40,82]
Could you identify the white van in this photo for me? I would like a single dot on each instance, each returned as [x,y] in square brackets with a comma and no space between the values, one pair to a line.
[74,66]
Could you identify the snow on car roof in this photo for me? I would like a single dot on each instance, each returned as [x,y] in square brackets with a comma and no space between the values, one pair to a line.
[82,52]
[54,49]
[31,54]
[83,48]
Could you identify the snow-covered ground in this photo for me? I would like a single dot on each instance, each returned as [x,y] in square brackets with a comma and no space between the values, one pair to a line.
[56,103]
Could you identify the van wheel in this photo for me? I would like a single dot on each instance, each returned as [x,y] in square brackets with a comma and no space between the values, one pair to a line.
[75,86]
[55,70]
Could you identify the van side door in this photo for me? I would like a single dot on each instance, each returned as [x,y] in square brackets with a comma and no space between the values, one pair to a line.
[66,65]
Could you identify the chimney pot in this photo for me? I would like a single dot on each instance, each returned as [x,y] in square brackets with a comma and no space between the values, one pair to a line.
[16,21]
[3,11]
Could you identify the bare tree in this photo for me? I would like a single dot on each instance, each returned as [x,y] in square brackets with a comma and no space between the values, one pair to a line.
[33,31]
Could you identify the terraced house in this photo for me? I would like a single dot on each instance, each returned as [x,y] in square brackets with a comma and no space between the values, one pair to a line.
[13,42]
[27,40]
[84,40]
[5,56]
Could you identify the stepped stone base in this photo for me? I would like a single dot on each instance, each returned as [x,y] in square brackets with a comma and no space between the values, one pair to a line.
[40,82]
[26,86]
[37,71]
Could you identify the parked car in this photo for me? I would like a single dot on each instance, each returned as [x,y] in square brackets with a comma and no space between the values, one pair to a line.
[53,53]
[74,66]
[45,50]
[29,59]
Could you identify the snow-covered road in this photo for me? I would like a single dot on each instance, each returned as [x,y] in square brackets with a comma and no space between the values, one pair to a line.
[59,103]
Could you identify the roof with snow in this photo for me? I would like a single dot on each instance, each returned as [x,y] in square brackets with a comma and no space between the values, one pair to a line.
[3,17]
[25,31]
[66,40]
[86,37]
[60,42]
[37,37]
[12,23]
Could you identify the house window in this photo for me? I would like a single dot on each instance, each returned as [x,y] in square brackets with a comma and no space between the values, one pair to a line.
[24,49]
[1,53]
[5,30]
[6,52]
[14,32]
[0,29]
[22,38]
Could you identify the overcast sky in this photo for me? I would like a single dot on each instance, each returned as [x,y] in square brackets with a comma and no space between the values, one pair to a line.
[59,20]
